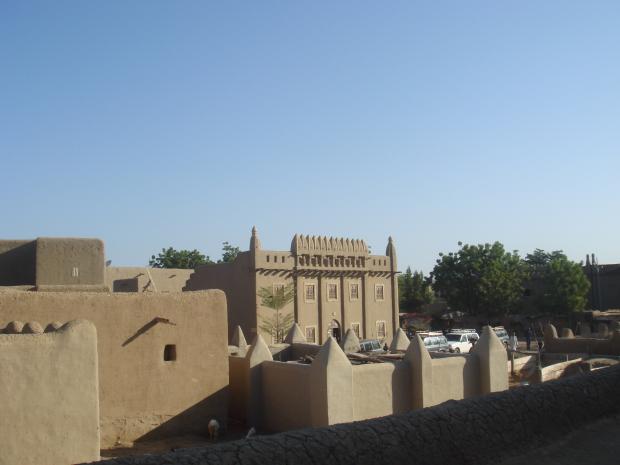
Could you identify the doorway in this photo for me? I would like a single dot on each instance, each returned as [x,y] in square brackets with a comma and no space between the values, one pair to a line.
[333,330]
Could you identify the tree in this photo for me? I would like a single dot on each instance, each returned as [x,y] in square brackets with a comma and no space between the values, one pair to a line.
[229,253]
[480,279]
[559,285]
[171,258]
[414,290]
[276,298]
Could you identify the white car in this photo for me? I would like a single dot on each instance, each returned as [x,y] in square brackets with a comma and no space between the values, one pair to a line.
[461,340]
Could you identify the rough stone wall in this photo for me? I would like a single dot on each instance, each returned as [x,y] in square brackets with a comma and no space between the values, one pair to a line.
[141,394]
[474,431]
[49,392]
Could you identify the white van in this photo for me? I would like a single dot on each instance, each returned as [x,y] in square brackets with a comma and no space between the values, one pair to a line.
[461,340]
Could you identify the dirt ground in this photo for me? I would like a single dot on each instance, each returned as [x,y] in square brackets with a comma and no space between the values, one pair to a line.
[596,443]
[233,433]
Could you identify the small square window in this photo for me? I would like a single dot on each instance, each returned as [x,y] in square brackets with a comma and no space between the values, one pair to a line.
[332,292]
[170,353]
[356,329]
[379,292]
[310,294]
[354,291]
[311,334]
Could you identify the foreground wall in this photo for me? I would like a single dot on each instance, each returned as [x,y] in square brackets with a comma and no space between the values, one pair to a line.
[473,431]
[142,395]
[49,392]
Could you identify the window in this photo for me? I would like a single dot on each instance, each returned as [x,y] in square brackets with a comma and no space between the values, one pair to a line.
[332,292]
[311,334]
[267,258]
[310,293]
[379,294]
[170,353]
[282,259]
[380,329]
[356,329]
[278,289]
[354,291]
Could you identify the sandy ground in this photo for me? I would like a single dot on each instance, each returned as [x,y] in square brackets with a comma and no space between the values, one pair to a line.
[597,443]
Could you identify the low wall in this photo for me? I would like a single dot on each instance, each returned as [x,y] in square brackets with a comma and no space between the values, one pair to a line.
[49,392]
[601,346]
[286,396]
[472,431]
[277,396]
[146,389]
[380,389]
[455,377]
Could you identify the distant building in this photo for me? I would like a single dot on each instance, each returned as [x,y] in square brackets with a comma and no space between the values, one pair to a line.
[337,284]
[604,284]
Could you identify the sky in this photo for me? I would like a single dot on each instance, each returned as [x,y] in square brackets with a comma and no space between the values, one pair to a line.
[151,124]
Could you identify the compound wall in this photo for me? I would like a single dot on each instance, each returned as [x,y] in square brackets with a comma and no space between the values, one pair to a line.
[49,392]
[163,358]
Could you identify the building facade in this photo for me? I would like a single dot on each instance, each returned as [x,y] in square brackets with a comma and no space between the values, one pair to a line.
[336,284]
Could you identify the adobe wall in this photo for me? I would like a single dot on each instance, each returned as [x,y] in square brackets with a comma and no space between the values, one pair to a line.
[455,377]
[17,262]
[286,396]
[477,431]
[141,395]
[67,263]
[380,388]
[572,345]
[49,392]
[143,279]
[238,283]
[282,395]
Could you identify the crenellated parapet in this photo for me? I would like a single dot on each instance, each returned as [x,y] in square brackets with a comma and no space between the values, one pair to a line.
[304,244]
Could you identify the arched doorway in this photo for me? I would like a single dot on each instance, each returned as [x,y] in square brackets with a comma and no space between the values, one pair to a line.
[333,330]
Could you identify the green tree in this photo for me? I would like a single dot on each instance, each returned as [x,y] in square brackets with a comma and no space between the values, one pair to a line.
[276,298]
[229,253]
[171,258]
[414,290]
[481,279]
[559,285]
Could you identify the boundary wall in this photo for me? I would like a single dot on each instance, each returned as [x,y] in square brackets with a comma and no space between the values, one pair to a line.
[163,358]
[49,391]
[607,344]
[474,431]
[278,396]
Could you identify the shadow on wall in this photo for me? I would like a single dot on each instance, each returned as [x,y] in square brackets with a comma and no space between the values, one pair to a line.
[125,285]
[193,420]
[18,265]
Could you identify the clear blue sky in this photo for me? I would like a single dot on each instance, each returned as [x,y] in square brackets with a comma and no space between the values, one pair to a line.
[160,123]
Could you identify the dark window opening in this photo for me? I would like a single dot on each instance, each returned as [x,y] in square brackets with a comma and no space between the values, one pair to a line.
[170,353]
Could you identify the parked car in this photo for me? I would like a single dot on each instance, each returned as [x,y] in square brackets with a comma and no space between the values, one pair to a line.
[371,346]
[461,340]
[502,334]
[434,341]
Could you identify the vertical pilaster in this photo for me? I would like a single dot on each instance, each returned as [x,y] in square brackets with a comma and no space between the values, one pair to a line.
[491,355]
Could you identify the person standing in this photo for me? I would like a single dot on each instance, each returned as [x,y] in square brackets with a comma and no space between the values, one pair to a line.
[513,342]
[528,337]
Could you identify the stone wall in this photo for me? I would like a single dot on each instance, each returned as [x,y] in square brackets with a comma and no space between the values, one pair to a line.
[49,392]
[474,431]
[163,358]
